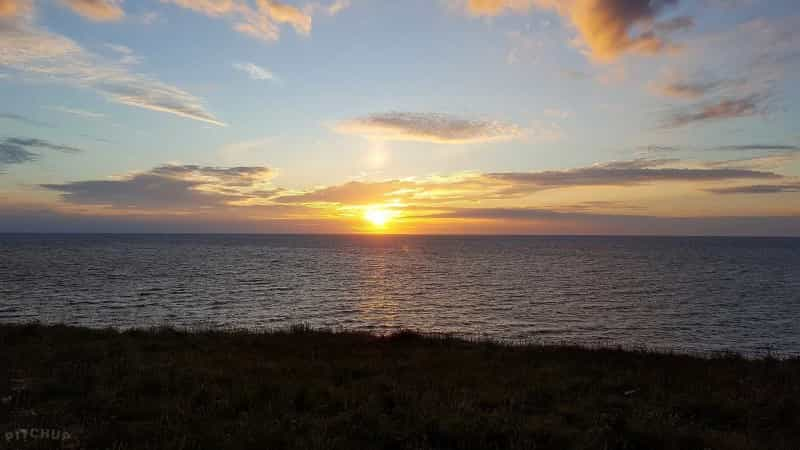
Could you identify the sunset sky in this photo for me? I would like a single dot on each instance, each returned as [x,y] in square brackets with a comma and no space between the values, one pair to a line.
[413,116]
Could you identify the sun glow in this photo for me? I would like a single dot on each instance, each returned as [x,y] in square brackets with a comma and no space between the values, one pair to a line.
[378,217]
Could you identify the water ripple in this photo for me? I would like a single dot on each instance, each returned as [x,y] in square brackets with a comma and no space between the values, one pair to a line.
[695,294]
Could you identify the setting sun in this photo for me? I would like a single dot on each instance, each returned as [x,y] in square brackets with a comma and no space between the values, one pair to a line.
[378,217]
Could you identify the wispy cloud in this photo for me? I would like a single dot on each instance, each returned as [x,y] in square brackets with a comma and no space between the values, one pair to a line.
[149,18]
[126,54]
[255,72]
[40,143]
[14,154]
[718,109]
[428,127]
[681,88]
[97,10]
[767,156]
[600,205]
[337,6]
[77,112]
[22,119]
[34,52]
[735,73]
[757,189]
[15,150]
[757,147]
[773,161]
[774,149]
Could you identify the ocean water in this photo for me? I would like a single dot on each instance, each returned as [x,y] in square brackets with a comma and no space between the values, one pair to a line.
[684,294]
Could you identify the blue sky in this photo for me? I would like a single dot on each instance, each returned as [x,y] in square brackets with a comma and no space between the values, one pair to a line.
[523,116]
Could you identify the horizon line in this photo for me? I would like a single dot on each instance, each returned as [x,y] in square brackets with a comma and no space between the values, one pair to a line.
[354,234]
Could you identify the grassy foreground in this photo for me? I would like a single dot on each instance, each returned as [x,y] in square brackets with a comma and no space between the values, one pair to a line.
[303,389]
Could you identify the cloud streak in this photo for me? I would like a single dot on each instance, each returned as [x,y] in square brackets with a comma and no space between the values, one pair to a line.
[255,72]
[685,89]
[428,127]
[624,173]
[17,150]
[758,147]
[40,143]
[717,110]
[97,10]
[36,53]
[22,119]
[757,189]
[12,154]
[77,112]
[554,221]
[126,54]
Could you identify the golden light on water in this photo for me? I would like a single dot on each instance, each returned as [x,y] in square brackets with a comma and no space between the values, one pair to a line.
[378,217]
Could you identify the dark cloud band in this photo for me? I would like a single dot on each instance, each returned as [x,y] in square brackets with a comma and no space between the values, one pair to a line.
[16,150]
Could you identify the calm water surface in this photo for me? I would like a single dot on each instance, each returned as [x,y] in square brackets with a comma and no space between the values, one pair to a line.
[690,294]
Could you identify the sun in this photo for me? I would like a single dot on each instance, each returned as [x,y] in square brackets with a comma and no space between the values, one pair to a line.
[378,217]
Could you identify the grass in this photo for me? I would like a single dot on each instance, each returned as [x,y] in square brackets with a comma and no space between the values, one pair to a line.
[306,389]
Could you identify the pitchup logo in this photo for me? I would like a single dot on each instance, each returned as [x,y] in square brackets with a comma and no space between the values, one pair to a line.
[39,435]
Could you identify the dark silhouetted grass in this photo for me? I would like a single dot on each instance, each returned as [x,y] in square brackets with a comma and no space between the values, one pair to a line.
[306,389]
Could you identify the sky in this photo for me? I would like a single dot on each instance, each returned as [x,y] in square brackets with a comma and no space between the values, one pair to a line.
[656,117]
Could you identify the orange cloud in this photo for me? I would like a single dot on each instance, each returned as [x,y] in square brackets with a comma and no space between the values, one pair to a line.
[97,10]
[497,7]
[605,26]
[208,7]
[261,21]
[283,13]
[9,8]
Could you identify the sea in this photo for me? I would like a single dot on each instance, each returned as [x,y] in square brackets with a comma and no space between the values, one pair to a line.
[681,294]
